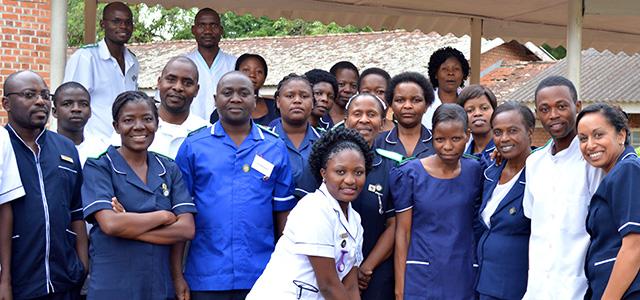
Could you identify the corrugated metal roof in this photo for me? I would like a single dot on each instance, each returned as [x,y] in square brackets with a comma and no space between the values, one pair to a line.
[605,77]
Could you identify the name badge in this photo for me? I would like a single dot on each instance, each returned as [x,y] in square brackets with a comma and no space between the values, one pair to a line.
[262,165]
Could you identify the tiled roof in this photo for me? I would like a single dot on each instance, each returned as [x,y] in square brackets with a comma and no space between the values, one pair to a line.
[605,77]
[511,76]
[394,51]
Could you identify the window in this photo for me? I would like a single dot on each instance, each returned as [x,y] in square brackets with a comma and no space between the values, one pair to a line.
[635,137]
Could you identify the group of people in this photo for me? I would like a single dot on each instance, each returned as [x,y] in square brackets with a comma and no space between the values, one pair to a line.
[348,185]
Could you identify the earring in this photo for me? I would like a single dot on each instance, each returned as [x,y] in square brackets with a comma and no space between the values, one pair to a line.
[324,180]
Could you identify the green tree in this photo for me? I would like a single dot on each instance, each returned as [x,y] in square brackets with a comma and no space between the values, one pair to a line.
[157,23]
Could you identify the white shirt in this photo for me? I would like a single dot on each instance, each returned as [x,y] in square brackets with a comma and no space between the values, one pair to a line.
[208,77]
[95,68]
[10,184]
[315,227]
[499,192]
[169,136]
[90,148]
[428,116]
[556,199]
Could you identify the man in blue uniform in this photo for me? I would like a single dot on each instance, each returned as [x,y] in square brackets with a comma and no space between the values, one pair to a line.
[49,245]
[240,178]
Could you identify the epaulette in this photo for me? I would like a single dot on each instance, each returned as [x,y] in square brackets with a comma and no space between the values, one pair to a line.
[395,156]
[193,132]
[545,145]
[268,130]
[89,46]
[100,155]
[320,130]
[406,160]
[471,156]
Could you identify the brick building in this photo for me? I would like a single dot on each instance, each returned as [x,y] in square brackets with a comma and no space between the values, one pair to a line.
[24,39]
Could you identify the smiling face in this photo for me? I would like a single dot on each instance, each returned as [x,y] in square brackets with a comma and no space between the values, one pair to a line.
[178,85]
[600,143]
[557,112]
[450,75]
[136,126]
[295,102]
[117,24]
[235,100]
[511,136]
[373,84]
[253,68]
[72,109]
[408,104]
[347,85]
[345,174]
[449,140]
[25,106]
[365,115]
[324,98]
[479,112]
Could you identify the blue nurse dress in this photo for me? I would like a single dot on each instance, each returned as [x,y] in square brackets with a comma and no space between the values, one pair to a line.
[124,268]
[614,212]
[441,257]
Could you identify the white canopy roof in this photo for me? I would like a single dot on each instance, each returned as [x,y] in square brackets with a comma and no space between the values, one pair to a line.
[607,24]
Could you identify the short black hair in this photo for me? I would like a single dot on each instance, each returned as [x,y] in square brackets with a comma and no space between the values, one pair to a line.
[344,65]
[246,56]
[528,119]
[383,107]
[205,10]
[414,77]
[289,78]
[183,59]
[615,116]
[316,76]
[450,112]
[440,56]
[67,86]
[557,81]
[115,5]
[335,141]
[377,71]
[134,97]
[475,91]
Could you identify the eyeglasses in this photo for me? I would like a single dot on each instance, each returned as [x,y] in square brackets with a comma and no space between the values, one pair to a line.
[32,95]
[118,22]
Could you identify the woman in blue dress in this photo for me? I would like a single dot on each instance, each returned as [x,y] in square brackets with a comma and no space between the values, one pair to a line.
[435,200]
[613,221]
[479,102]
[409,95]
[503,248]
[366,114]
[139,207]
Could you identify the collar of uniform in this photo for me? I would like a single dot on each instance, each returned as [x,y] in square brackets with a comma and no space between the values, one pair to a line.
[104,54]
[377,159]
[573,147]
[487,149]
[38,140]
[120,166]
[326,121]
[255,133]
[627,153]
[350,225]
[492,173]
[204,62]
[309,137]
[392,135]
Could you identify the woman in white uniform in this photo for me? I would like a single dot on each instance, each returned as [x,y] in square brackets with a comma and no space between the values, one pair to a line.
[320,250]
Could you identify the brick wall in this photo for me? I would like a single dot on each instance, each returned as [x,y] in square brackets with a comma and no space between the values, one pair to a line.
[24,39]
[507,52]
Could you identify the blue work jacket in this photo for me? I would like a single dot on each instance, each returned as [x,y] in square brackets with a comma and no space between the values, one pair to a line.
[236,202]
[503,249]
[44,258]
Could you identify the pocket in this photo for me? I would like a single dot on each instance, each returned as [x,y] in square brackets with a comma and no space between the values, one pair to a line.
[418,277]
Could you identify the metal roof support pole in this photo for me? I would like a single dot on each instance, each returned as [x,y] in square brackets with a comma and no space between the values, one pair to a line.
[574,41]
[476,49]
[58,54]
[90,11]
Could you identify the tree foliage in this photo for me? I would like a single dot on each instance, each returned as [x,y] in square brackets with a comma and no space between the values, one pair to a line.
[157,23]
